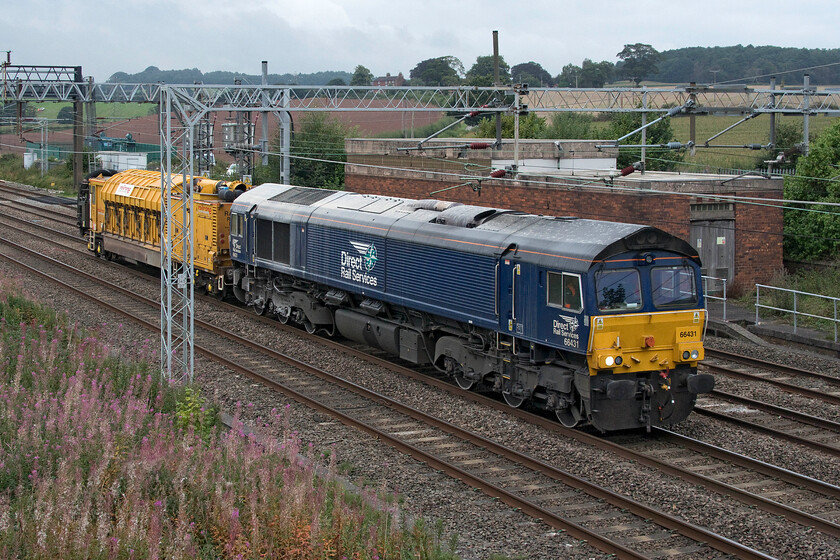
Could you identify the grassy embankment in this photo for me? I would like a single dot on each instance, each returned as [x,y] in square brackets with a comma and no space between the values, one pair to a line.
[101,458]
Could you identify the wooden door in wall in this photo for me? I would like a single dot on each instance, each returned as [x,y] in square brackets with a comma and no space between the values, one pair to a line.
[715,243]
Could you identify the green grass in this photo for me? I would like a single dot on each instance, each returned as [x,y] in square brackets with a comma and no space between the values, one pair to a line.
[59,178]
[49,110]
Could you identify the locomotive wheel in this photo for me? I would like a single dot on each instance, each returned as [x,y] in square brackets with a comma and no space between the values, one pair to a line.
[309,326]
[454,369]
[259,309]
[568,416]
[464,383]
[514,402]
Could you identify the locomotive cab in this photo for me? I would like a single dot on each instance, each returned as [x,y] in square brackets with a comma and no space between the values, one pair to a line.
[647,321]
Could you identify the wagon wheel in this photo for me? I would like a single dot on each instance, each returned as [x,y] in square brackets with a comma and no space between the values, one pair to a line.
[222,294]
[513,401]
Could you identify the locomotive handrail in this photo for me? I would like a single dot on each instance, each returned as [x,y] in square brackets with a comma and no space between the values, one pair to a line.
[795,310]
[707,295]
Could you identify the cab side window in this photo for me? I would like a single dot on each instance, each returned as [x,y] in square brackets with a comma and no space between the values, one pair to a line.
[564,291]
[236,224]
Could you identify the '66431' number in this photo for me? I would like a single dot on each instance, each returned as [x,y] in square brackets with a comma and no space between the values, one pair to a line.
[688,334]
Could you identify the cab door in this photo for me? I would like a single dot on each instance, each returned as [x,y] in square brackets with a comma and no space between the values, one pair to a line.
[511,297]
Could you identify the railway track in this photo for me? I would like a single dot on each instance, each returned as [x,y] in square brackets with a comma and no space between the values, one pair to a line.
[608,521]
[799,381]
[812,498]
[782,423]
[19,197]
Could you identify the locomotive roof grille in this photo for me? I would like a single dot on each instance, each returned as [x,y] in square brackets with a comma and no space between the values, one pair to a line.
[303,196]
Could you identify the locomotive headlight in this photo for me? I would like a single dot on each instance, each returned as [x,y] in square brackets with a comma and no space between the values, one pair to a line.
[695,354]
[687,354]
[618,360]
[609,361]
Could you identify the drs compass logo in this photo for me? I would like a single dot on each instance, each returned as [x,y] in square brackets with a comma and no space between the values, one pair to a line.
[356,267]
[368,253]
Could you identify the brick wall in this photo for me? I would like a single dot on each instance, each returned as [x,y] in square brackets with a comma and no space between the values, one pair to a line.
[758,242]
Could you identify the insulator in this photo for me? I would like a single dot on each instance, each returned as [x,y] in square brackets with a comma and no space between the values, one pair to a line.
[474,113]
[479,145]
[499,173]
[627,170]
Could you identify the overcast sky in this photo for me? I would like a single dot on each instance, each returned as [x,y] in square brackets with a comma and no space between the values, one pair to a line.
[303,36]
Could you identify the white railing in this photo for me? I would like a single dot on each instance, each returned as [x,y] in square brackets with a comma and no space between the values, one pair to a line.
[797,295]
[707,293]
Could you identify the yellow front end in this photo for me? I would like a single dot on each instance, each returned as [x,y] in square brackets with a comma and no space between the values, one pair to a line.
[643,369]
[646,341]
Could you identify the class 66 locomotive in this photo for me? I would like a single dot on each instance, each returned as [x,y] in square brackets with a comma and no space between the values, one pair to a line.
[600,323]
[119,214]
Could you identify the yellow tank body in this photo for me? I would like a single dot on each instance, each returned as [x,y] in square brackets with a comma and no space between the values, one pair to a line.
[646,341]
[125,218]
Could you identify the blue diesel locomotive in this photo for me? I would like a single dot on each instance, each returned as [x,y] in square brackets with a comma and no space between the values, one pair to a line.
[599,322]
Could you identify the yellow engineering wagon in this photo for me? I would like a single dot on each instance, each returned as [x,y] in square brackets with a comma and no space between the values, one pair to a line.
[120,214]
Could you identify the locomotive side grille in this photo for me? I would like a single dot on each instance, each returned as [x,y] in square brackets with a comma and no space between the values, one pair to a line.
[455,280]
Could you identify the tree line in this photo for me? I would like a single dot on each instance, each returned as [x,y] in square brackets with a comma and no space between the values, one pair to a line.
[635,63]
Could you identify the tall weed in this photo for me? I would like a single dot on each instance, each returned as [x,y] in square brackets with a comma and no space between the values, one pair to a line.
[102,458]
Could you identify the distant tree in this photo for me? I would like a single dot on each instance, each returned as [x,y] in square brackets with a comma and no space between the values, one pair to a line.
[317,150]
[482,72]
[530,126]
[457,65]
[532,74]
[788,142]
[66,115]
[595,74]
[441,71]
[10,110]
[588,75]
[571,126]
[658,159]
[638,61]
[815,235]
[361,77]
[569,76]
[336,82]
